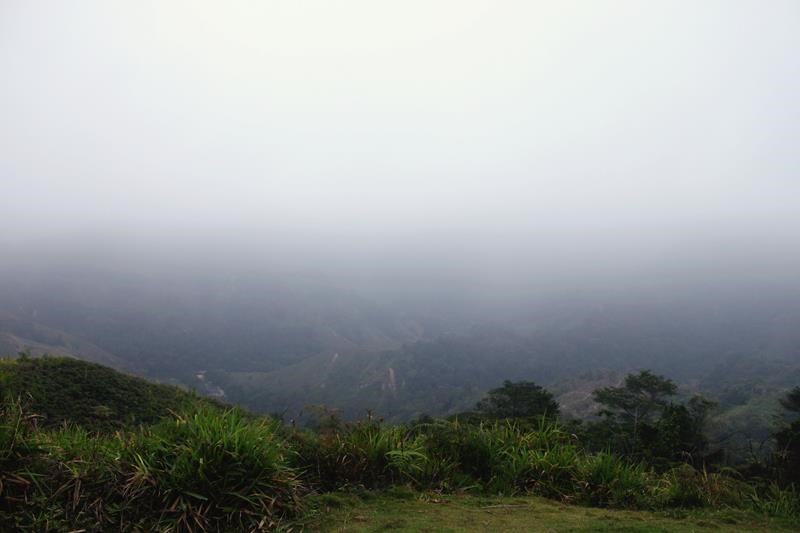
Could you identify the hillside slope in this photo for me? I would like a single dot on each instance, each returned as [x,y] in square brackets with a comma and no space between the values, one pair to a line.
[20,335]
[61,389]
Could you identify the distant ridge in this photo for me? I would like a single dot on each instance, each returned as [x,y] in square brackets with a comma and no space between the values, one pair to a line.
[20,335]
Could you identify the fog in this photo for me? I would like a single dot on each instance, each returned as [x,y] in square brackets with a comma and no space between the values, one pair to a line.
[443,151]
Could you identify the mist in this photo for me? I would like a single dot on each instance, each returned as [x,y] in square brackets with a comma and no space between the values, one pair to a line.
[393,174]
[470,129]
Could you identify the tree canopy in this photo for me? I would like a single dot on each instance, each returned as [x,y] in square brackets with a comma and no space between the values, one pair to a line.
[522,399]
[641,397]
[641,418]
[787,438]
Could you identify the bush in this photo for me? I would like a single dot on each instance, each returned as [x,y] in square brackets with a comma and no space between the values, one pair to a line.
[500,457]
[607,480]
[367,454]
[685,486]
[773,500]
[213,470]
[208,471]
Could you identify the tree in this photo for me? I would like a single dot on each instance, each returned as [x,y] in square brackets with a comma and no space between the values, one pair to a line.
[640,418]
[791,402]
[638,400]
[787,437]
[679,431]
[523,399]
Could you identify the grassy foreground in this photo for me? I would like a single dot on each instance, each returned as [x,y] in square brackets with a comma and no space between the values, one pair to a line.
[177,463]
[413,512]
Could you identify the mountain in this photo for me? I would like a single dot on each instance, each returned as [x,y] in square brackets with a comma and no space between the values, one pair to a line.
[709,348]
[280,343]
[171,328]
[18,335]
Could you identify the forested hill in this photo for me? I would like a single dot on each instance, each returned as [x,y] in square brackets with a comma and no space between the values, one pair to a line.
[60,389]
[171,327]
[29,335]
[723,356]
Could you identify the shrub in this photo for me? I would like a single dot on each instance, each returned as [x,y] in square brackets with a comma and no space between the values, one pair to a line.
[773,500]
[501,457]
[366,453]
[210,469]
[607,480]
[684,486]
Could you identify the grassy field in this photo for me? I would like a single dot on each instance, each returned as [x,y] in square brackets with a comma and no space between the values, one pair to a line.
[408,511]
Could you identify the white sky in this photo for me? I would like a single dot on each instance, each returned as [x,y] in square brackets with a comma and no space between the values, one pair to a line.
[414,116]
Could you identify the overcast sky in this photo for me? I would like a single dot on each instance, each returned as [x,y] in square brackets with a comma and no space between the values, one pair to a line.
[624,123]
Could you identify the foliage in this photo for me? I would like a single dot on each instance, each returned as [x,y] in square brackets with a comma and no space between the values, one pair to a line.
[367,453]
[679,431]
[491,457]
[212,469]
[518,400]
[207,471]
[685,486]
[640,420]
[607,479]
[773,500]
[638,400]
[60,389]
[787,438]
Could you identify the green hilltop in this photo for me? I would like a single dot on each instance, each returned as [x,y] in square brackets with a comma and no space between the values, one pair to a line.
[63,389]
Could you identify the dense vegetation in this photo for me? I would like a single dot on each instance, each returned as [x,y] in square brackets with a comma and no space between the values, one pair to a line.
[787,438]
[204,468]
[91,395]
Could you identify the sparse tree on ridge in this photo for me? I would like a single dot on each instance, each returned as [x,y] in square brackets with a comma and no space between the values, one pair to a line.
[641,398]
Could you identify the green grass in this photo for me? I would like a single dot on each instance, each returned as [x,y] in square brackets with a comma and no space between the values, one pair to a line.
[374,512]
